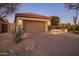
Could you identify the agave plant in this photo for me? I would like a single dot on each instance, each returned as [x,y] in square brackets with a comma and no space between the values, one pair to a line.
[17,33]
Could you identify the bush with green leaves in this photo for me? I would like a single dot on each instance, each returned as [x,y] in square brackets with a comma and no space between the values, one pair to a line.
[70,28]
[17,33]
[77,27]
[76,30]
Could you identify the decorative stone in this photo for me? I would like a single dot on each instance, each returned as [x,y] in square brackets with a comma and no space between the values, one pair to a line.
[30,48]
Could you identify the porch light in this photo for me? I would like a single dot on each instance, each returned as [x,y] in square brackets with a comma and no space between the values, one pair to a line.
[20,21]
[49,23]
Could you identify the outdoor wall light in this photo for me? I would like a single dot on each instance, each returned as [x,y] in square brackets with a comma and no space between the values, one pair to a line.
[20,21]
[49,23]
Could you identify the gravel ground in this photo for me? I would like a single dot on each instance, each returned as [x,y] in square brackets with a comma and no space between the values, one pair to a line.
[41,44]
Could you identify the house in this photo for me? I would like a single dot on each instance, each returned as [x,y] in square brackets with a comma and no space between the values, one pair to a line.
[3,25]
[11,26]
[32,22]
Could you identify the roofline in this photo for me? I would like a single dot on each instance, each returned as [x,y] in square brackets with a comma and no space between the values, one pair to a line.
[2,19]
[21,15]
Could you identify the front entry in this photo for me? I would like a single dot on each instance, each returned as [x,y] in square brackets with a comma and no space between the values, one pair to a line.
[4,28]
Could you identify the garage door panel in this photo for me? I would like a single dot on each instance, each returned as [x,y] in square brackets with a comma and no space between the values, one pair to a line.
[34,26]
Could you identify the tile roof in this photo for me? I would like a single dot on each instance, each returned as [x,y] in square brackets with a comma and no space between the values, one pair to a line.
[31,15]
[3,20]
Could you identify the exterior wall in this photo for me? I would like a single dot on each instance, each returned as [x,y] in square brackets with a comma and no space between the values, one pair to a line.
[46,26]
[26,23]
[11,26]
[3,28]
[19,21]
[4,25]
[33,19]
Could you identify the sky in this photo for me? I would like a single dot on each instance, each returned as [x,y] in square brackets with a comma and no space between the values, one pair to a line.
[47,9]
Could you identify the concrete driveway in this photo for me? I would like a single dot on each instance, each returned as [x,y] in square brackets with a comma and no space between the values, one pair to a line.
[46,44]
[55,44]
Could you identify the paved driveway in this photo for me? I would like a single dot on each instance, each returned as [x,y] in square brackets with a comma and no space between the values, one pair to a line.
[55,45]
[47,44]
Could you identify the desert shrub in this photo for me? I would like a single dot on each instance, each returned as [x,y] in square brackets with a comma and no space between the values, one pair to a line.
[77,27]
[17,33]
[52,27]
[76,32]
[74,29]
[70,28]
[57,27]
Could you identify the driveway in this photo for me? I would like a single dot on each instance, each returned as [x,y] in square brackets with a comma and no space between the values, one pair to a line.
[55,44]
[47,44]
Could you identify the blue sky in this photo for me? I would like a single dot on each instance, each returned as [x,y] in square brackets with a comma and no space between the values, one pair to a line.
[48,9]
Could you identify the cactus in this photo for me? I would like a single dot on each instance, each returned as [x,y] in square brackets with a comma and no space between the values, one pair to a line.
[17,33]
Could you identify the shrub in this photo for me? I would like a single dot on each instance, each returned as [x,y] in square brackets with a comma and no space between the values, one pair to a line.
[58,27]
[70,28]
[17,33]
[76,32]
[77,27]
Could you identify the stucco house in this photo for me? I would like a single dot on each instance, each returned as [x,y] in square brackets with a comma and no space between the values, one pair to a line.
[3,25]
[11,26]
[32,22]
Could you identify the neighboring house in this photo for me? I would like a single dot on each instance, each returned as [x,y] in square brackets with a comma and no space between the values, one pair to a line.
[32,22]
[3,25]
[11,26]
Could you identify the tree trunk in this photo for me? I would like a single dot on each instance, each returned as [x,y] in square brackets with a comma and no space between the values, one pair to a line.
[76,16]
[75,19]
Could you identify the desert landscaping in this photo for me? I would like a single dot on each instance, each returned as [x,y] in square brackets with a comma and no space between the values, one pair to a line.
[42,44]
[39,31]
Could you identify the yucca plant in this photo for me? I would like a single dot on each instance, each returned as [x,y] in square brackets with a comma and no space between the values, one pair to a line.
[17,33]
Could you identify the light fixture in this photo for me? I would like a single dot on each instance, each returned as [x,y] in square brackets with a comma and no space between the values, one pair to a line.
[20,21]
[49,23]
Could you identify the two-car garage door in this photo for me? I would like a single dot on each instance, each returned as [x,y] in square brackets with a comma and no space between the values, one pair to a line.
[34,26]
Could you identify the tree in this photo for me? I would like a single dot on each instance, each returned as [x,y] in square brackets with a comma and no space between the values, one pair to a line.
[75,8]
[68,25]
[7,9]
[55,20]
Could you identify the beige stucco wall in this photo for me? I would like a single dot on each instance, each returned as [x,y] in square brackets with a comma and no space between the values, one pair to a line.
[46,26]
[11,26]
[30,23]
